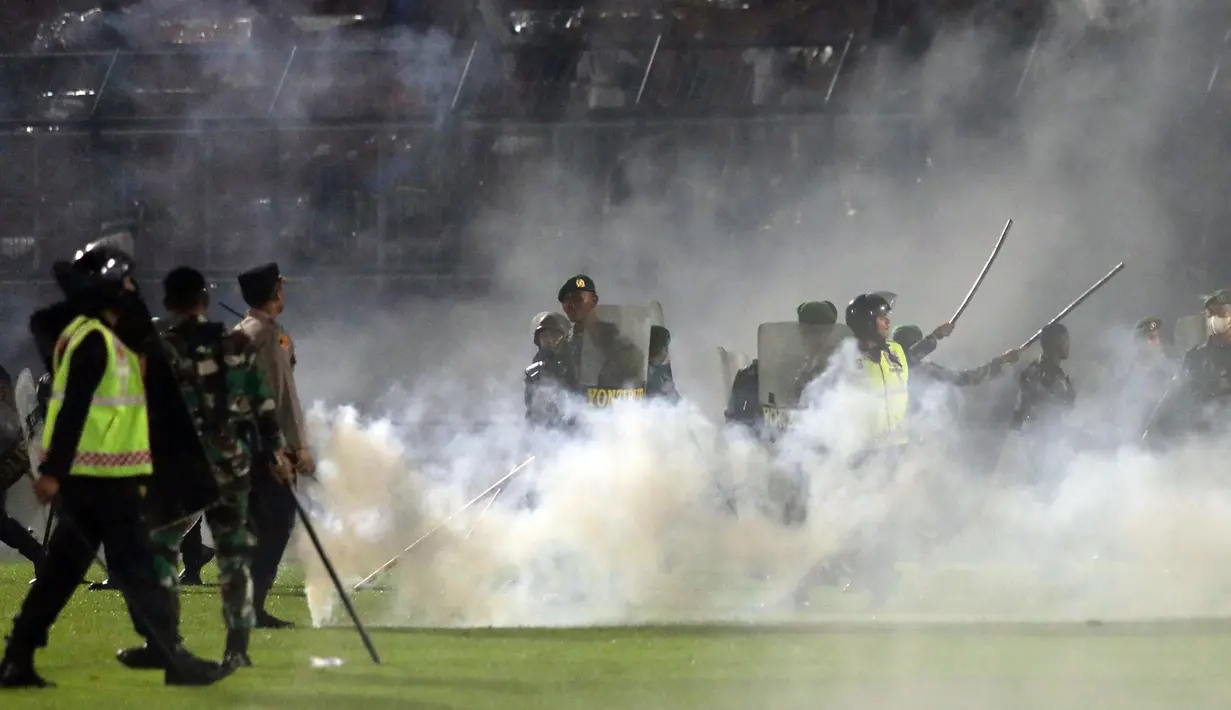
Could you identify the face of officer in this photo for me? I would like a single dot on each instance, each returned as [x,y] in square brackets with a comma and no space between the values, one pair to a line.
[1219,317]
[1153,340]
[579,304]
[549,340]
[1057,348]
[883,324]
[280,297]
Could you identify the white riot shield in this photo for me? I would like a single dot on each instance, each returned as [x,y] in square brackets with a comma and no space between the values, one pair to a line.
[25,393]
[615,352]
[792,355]
[730,362]
[1190,331]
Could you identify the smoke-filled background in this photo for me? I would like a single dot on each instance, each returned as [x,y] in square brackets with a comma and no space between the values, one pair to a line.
[429,181]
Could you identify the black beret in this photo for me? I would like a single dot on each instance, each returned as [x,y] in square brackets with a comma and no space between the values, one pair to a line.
[258,286]
[580,282]
[1053,332]
[1149,325]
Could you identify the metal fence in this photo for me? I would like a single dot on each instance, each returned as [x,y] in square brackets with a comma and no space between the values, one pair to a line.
[379,159]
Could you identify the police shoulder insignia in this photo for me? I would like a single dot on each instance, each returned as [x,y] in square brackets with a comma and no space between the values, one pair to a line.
[284,340]
[581,283]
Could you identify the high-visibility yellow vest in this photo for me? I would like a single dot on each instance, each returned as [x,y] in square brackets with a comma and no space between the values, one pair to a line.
[888,381]
[115,442]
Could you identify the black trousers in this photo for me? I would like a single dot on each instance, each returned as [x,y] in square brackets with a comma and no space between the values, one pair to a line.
[16,536]
[273,519]
[96,511]
[193,548]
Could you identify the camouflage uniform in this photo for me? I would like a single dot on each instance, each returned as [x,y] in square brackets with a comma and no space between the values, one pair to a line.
[959,378]
[1045,390]
[230,402]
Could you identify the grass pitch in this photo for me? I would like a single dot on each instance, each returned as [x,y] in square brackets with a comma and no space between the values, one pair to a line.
[806,666]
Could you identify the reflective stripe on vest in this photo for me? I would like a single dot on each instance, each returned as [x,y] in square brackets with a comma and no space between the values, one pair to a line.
[115,442]
[889,382]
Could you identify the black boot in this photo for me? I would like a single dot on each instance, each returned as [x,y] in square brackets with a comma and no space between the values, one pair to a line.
[143,658]
[236,655]
[191,576]
[187,669]
[17,671]
[265,620]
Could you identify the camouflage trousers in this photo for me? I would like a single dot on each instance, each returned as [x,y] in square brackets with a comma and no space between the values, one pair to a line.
[234,544]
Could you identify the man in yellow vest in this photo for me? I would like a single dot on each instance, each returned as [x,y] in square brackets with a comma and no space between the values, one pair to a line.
[96,460]
[870,557]
[886,367]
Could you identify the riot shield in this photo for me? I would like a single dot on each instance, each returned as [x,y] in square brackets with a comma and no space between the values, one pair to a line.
[1190,331]
[614,357]
[792,355]
[730,362]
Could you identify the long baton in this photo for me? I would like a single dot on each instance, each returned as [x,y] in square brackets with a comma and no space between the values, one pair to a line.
[1068,309]
[983,274]
[495,486]
[333,575]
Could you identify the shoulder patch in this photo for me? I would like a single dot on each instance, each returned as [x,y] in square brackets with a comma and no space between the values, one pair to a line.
[285,341]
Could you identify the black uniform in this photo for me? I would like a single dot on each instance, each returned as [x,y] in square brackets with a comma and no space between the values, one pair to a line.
[1206,384]
[547,387]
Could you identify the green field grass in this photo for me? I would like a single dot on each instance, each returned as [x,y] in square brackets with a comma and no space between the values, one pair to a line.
[857,666]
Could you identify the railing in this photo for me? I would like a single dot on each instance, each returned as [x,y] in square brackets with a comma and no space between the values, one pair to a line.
[384,159]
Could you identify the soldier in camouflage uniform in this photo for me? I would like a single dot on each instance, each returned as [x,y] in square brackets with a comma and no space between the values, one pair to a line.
[578,298]
[230,404]
[813,313]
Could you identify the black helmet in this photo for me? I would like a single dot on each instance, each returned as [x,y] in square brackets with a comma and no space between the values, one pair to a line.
[549,321]
[96,268]
[861,315]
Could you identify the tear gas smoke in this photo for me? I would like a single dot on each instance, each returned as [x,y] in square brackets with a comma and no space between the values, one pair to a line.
[658,514]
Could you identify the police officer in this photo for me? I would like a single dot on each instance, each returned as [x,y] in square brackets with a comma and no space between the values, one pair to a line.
[273,503]
[14,466]
[547,377]
[228,399]
[97,461]
[659,382]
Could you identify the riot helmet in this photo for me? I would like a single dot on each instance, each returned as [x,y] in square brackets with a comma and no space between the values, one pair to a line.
[862,314]
[96,270]
[549,322]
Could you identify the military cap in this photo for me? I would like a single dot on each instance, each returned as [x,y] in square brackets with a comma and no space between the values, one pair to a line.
[817,313]
[258,285]
[182,288]
[580,282]
[1148,325]
[1221,297]
[907,335]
